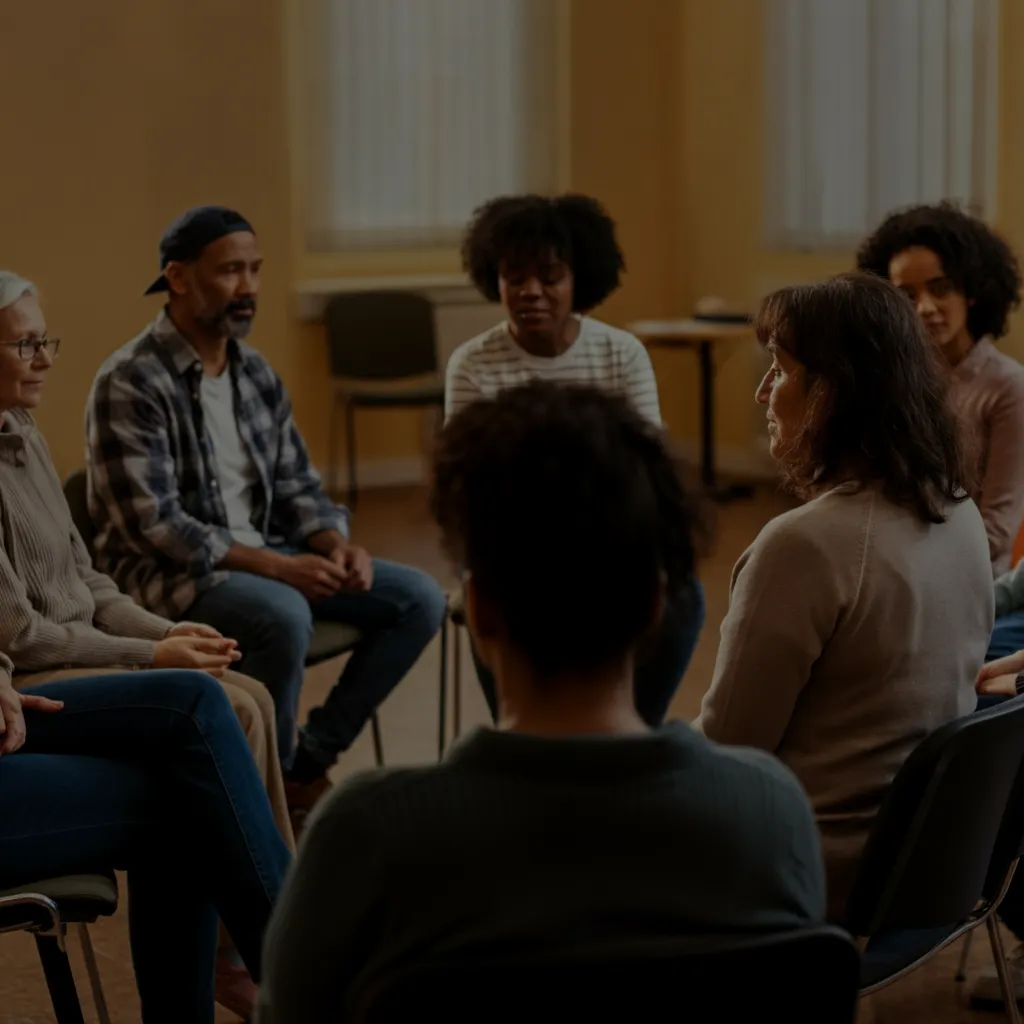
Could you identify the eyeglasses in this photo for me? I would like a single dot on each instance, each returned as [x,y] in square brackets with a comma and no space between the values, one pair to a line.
[29,348]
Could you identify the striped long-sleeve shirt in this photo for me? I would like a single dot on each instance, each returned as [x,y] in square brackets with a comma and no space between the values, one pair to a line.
[602,356]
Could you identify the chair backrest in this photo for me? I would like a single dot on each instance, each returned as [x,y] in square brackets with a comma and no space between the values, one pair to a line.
[381,335]
[76,493]
[949,827]
[800,976]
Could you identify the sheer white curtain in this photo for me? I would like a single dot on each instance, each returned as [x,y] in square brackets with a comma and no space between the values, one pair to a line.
[419,110]
[875,104]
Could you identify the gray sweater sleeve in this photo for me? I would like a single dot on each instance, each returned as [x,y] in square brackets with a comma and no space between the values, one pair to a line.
[33,642]
[116,613]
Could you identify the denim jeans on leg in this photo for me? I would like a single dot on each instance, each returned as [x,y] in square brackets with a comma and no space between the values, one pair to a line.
[149,772]
[1007,635]
[660,668]
[272,622]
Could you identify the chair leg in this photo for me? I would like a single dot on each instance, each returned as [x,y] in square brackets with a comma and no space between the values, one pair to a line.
[350,440]
[1002,969]
[59,980]
[457,682]
[332,446]
[442,692]
[378,745]
[91,967]
[961,971]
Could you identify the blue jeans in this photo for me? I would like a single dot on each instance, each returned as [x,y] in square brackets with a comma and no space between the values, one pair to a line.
[149,772]
[1007,635]
[659,669]
[272,622]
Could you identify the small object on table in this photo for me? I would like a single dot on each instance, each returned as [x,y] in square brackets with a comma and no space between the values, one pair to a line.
[701,334]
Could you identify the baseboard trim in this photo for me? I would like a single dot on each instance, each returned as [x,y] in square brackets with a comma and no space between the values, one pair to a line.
[745,463]
[372,473]
[733,460]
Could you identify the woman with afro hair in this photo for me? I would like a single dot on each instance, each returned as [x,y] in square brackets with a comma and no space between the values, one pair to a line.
[549,261]
[963,280]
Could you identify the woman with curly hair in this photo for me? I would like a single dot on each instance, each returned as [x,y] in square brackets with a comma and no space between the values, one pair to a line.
[963,280]
[858,620]
[549,261]
[574,828]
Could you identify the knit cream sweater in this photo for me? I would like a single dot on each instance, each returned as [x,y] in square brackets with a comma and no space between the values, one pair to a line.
[55,609]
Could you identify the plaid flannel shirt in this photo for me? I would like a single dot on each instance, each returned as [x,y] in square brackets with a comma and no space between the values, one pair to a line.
[153,489]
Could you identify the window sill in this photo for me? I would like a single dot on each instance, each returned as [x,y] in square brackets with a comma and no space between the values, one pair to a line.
[311,295]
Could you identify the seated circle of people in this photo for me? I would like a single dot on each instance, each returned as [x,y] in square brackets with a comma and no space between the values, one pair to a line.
[575,825]
[548,261]
[207,507]
[895,424]
[964,280]
[844,644]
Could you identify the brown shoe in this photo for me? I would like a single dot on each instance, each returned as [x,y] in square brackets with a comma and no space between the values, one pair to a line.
[302,797]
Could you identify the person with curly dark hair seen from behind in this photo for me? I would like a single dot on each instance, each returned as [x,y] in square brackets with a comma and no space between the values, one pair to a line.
[858,620]
[964,280]
[574,828]
[549,261]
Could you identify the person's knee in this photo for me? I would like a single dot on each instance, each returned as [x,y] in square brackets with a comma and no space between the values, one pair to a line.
[283,629]
[427,602]
[182,687]
[258,696]
[248,713]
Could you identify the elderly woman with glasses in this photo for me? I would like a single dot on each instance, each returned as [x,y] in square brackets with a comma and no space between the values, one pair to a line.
[60,619]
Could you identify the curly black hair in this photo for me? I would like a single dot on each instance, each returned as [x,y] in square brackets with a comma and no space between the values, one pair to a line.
[878,395]
[570,513]
[974,257]
[527,229]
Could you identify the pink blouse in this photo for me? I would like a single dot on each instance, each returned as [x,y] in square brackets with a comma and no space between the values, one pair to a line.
[988,395]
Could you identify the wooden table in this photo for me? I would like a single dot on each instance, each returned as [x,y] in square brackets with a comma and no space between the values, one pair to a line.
[701,335]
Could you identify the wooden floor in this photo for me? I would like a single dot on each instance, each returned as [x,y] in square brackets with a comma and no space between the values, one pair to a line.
[395,524]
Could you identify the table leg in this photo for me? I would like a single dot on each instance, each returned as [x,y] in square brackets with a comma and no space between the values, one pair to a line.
[708,474]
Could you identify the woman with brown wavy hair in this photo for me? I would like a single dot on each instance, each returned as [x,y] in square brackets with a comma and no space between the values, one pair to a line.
[858,621]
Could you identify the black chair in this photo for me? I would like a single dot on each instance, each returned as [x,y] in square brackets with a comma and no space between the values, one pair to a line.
[45,909]
[330,639]
[378,338]
[943,849]
[801,977]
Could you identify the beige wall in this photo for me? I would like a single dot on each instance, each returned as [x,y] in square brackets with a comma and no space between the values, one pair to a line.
[130,112]
[127,113]
[721,171]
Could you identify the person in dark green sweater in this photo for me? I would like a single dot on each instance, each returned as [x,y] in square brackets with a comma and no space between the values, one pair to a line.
[573,826]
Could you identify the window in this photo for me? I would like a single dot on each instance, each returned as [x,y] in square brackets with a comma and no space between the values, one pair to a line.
[420,110]
[872,105]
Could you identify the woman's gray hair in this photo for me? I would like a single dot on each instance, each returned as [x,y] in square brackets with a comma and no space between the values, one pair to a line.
[13,287]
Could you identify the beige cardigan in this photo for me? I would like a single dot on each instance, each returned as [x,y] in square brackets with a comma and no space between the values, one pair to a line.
[854,630]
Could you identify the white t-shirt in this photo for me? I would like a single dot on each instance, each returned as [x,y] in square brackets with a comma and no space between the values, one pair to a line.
[602,356]
[236,472]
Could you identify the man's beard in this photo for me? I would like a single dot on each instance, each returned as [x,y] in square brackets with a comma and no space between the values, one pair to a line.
[227,323]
